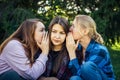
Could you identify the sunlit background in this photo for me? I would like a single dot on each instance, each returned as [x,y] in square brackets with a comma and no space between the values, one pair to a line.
[106,14]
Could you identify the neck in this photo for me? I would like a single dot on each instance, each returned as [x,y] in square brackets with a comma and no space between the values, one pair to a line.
[85,42]
[57,48]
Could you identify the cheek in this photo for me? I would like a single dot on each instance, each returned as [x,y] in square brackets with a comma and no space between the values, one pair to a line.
[63,38]
[51,36]
[75,34]
[38,37]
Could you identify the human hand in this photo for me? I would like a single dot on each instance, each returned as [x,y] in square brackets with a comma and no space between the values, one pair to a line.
[71,45]
[44,45]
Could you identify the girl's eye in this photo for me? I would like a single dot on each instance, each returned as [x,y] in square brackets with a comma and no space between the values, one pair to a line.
[42,30]
[62,32]
[53,31]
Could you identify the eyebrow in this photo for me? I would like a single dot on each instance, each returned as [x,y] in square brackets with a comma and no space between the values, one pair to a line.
[60,31]
[42,28]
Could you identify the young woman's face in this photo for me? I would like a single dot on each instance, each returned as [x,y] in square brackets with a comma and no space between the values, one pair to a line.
[57,35]
[77,31]
[39,31]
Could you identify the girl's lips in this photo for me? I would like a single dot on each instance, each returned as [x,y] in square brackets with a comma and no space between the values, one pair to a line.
[56,40]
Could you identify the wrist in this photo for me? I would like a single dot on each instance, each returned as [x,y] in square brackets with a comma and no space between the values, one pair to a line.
[45,52]
[72,55]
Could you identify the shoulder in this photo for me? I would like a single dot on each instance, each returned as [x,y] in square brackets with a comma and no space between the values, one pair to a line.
[14,42]
[100,47]
[12,46]
[95,47]
[14,49]
[100,50]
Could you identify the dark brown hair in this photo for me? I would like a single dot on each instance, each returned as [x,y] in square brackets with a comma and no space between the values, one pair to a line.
[63,52]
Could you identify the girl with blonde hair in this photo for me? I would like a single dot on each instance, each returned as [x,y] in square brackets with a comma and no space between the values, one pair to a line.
[93,61]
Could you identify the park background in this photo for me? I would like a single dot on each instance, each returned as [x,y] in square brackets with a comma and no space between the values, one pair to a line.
[106,14]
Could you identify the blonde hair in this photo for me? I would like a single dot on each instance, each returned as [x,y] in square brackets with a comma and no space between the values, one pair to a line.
[86,21]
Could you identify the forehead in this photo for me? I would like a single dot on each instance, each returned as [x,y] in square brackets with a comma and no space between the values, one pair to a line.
[40,25]
[74,21]
[57,27]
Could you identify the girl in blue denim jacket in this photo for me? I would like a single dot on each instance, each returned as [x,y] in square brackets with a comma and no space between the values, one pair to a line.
[93,62]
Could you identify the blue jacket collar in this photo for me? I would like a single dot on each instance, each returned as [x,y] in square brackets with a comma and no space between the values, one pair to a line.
[89,47]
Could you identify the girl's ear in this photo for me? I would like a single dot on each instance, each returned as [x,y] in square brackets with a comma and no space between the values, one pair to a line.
[86,31]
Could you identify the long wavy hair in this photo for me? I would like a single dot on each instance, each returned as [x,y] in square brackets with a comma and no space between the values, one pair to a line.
[63,52]
[86,21]
[25,35]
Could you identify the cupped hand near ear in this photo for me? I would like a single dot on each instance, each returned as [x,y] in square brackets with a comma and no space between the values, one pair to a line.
[44,46]
[71,45]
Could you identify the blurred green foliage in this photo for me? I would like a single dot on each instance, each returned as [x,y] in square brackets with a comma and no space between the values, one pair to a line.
[106,13]
[115,58]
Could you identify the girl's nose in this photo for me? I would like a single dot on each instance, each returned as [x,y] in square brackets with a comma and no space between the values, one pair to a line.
[58,35]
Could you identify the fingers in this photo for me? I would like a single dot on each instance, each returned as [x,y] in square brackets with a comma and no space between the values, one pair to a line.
[45,40]
[45,43]
[70,38]
[38,43]
[45,36]
[71,46]
[77,43]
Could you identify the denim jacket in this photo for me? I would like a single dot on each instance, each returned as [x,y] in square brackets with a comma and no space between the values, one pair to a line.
[98,54]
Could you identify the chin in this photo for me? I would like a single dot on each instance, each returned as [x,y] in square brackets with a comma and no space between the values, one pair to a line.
[56,44]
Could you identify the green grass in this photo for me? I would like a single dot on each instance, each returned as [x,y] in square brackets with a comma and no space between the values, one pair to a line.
[115,58]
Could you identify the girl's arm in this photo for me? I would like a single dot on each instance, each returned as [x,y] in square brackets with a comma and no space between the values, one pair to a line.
[15,57]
